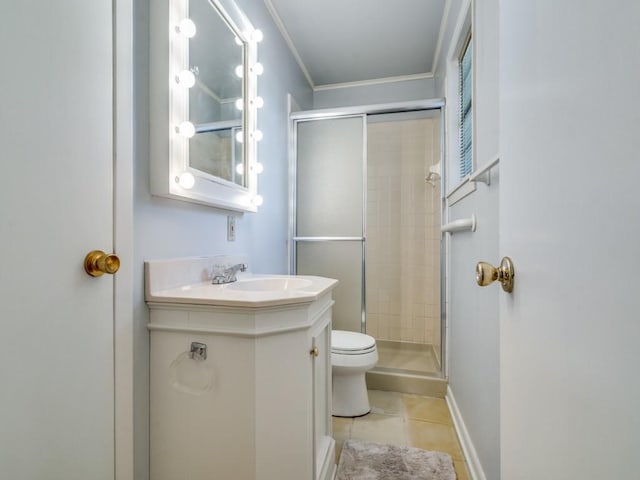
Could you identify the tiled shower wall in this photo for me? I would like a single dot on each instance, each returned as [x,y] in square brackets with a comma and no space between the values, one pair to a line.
[403,232]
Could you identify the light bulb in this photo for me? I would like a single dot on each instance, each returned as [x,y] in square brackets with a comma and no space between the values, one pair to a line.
[186,27]
[257,167]
[257,200]
[239,71]
[186,79]
[186,129]
[240,169]
[258,69]
[239,136]
[257,135]
[186,180]
[239,104]
[257,36]
[258,102]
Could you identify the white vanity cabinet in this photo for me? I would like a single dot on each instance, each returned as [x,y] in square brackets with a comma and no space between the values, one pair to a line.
[258,406]
[324,444]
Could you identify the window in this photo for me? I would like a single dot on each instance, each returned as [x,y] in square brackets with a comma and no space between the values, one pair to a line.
[465,83]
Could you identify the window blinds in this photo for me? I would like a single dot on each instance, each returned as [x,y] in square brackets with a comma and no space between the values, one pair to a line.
[465,76]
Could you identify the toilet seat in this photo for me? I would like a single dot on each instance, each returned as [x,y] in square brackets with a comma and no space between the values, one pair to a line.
[351,343]
[337,351]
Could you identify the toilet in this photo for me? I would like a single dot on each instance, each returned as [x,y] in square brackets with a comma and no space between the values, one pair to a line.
[352,355]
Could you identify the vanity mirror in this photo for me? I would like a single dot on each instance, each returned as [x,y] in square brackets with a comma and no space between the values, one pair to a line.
[204,103]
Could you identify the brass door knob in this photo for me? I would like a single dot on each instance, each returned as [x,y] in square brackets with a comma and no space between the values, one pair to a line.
[97,263]
[487,274]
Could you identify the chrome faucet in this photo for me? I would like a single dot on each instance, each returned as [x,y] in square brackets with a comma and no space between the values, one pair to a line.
[228,275]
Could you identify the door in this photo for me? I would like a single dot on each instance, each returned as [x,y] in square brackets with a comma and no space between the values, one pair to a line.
[323,443]
[570,220]
[329,231]
[56,205]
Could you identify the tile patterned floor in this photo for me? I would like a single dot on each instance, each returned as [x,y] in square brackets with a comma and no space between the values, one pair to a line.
[404,419]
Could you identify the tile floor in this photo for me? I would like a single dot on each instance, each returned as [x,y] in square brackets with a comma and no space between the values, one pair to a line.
[404,419]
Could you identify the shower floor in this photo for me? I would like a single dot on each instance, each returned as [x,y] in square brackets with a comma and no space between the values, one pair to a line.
[405,357]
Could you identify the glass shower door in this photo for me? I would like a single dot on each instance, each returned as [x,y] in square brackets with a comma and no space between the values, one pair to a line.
[328,224]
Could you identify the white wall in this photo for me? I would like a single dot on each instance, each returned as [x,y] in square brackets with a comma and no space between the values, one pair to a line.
[375,93]
[166,228]
[473,311]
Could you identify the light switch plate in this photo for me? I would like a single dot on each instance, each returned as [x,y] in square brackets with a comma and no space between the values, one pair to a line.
[231,228]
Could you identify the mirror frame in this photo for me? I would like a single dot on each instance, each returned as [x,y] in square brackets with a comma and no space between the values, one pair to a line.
[169,105]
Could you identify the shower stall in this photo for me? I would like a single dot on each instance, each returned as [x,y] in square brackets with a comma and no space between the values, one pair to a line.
[366,206]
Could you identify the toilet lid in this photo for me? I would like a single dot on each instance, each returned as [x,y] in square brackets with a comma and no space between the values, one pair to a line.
[344,341]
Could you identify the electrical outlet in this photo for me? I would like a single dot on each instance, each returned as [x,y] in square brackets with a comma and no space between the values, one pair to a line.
[231,228]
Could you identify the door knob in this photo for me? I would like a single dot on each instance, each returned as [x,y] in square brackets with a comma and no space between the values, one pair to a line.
[487,274]
[97,262]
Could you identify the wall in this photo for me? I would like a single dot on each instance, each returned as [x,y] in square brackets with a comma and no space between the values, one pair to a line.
[166,228]
[473,311]
[375,93]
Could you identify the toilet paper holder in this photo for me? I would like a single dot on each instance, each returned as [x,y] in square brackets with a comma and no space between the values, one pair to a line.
[198,351]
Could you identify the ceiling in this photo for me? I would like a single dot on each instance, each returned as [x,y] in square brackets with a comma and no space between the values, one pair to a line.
[345,41]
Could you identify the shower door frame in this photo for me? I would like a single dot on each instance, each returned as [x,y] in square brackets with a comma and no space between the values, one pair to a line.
[363,111]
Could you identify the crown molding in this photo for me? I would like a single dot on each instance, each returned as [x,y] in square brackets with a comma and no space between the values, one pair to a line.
[443,27]
[285,34]
[374,81]
[457,39]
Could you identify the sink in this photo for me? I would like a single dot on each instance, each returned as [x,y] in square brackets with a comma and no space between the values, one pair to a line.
[188,281]
[271,284]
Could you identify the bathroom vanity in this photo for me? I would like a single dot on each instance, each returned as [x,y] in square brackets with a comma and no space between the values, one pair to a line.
[240,374]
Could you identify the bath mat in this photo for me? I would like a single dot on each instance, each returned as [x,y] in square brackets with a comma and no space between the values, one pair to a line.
[375,461]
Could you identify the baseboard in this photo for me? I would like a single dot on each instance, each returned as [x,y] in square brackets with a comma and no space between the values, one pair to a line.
[470,454]
[328,469]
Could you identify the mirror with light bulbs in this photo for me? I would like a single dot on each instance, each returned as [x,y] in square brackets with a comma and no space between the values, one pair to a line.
[204,104]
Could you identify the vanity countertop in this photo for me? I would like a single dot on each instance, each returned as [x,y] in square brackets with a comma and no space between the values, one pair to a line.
[249,291]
